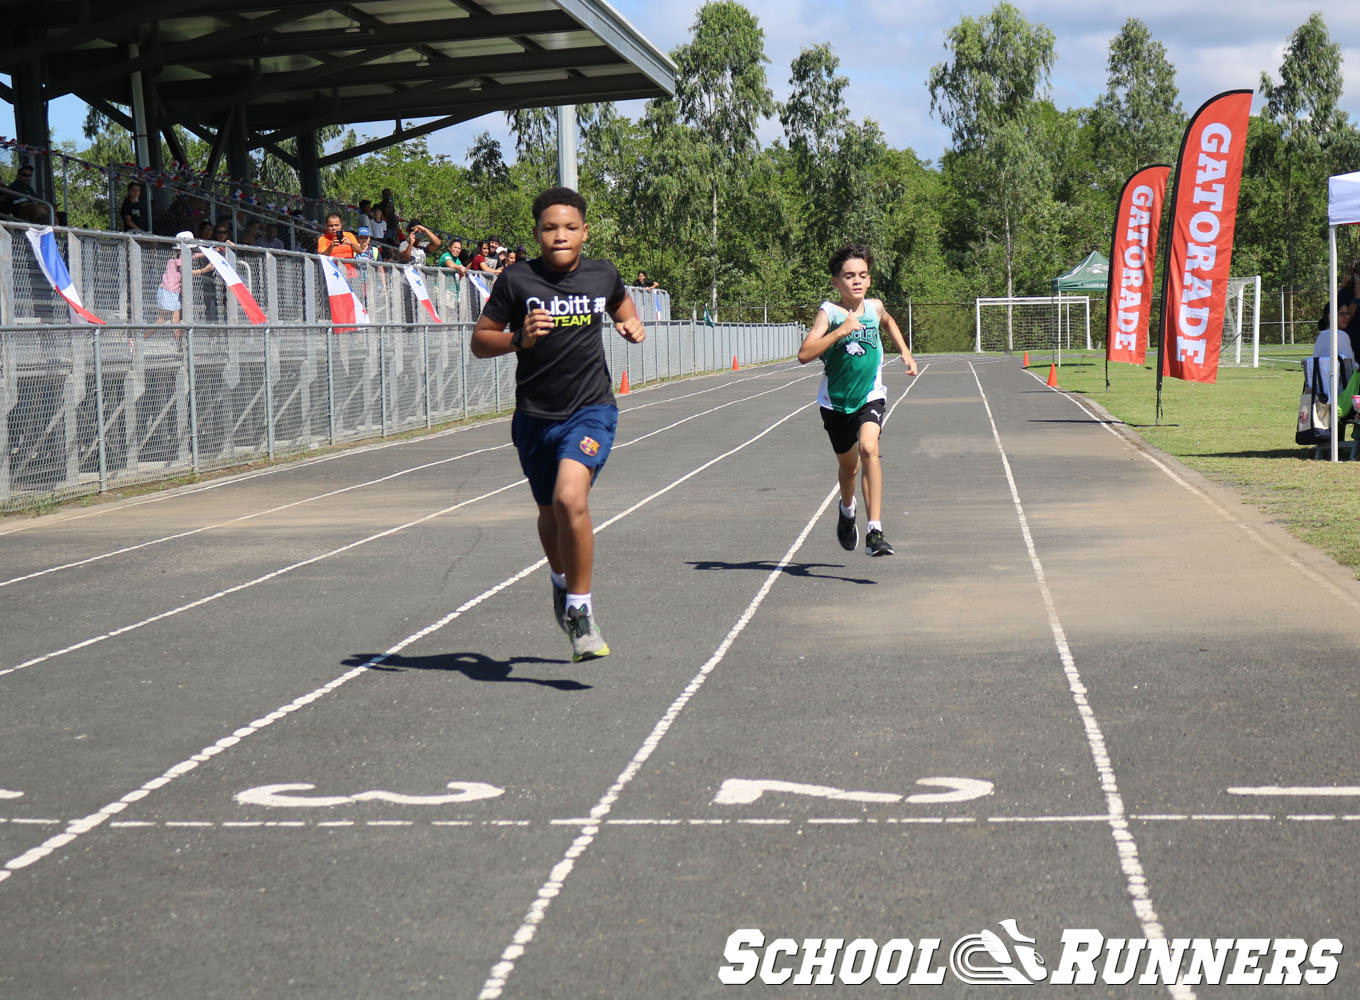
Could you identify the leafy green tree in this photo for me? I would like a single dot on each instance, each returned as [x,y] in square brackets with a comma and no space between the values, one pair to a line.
[1138,121]
[988,93]
[1303,109]
[489,174]
[721,94]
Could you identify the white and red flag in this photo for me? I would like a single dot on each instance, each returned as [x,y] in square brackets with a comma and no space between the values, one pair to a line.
[345,305]
[1203,221]
[1133,258]
[54,269]
[238,287]
[417,283]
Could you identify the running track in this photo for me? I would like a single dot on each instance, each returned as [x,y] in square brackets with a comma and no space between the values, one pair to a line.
[310,731]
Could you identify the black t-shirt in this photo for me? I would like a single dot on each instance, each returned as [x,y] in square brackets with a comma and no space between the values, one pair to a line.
[565,370]
[133,209]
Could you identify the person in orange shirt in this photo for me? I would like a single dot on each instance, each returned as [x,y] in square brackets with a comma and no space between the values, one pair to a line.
[335,242]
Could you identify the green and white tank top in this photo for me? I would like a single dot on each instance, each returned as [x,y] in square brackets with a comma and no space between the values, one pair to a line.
[853,365]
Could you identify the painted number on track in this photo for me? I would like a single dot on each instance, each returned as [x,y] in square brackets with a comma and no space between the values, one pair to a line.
[282,796]
[743,791]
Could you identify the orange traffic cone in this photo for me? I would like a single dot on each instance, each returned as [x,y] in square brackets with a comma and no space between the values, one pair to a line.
[1052,376]
[1026,361]
[623,386]
[735,367]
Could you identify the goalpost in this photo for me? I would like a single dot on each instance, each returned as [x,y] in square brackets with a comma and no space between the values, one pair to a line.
[1053,322]
[1031,323]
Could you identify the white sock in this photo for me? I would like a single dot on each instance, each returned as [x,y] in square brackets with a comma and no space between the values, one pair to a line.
[558,579]
[848,511]
[579,601]
[874,526]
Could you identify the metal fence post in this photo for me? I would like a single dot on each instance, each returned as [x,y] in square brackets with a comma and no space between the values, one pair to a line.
[268,394]
[382,382]
[330,380]
[99,409]
[193,398]
[463,369]
[425,352]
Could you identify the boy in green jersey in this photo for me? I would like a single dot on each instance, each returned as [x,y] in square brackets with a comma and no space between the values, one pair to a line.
[852,396]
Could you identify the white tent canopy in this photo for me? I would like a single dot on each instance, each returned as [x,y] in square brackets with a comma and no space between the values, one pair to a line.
[1343,199]
[1343,209]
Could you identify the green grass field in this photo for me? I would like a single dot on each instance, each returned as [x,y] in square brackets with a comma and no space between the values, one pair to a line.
[1238,432]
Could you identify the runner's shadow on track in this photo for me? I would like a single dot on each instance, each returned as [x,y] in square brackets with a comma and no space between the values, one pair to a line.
[803,570]
[475,666]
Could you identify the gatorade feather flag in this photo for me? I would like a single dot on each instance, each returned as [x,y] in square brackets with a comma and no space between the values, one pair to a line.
[417,284]
[1203,221]
[1133,258]
[480,285]
[54,269]
[345,305]
[238,287]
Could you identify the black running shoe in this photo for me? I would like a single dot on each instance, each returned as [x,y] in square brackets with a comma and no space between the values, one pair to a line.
[876,544]
[560,606]
[846,532]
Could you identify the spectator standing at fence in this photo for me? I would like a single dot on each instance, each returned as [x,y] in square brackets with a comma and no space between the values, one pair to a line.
[483,262]
[644,282]
[451,257]
[420,242]
[132,213]
[550,313]
[335,242]
[270,240]
[852,395]
[388,206]
[169,296]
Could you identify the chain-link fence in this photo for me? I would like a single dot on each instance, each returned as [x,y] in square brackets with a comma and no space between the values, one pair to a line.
[86,408]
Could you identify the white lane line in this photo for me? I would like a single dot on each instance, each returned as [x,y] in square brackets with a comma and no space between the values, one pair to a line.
[304,463]
[274,574]
[338,492]
[248,517]
[391,531]
[1136,882]
[1336,790]
[244,477]
[79,827]
[548,891]
[1292,561]
[769,821]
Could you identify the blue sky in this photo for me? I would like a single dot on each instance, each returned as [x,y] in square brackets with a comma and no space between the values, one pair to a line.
[888,47]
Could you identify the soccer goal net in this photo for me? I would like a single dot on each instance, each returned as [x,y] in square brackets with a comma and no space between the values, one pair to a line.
[1241,346]
[1035,323]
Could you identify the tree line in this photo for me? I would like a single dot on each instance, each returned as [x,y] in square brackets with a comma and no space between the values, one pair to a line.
[688,192]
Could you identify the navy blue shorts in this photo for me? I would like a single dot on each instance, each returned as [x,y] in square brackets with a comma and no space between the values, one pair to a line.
[586,437]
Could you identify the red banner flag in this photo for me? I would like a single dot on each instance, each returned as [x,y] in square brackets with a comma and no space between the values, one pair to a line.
[1133,258]
[1203,220]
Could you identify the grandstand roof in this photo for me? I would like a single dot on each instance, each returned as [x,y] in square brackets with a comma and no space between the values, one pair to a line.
[298,65]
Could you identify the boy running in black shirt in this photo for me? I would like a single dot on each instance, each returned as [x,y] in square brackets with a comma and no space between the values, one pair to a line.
[565,414]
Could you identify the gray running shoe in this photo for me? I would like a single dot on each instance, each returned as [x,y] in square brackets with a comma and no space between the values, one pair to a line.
[586,641]
[560,606]
[846,531]
[876,544]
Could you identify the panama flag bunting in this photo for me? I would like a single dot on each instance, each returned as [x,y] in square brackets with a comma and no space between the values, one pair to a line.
[238,287]
[1133,258]
[417,284]
[480,285]
[54,269]
[345,305]
[1199,255]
